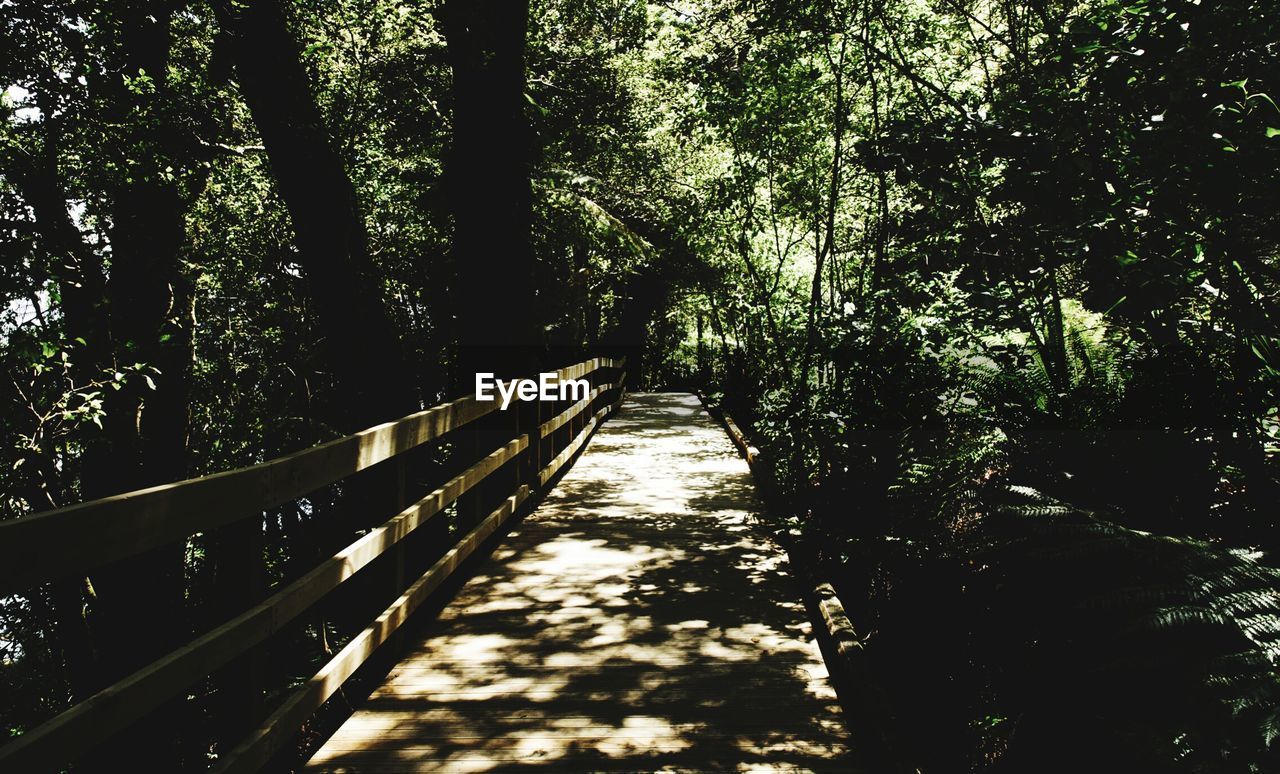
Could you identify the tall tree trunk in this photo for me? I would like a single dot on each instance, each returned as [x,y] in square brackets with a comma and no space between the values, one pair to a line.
[139,611]
[882,182]
[643,295]
[489,183]
[827,246]
[360,341]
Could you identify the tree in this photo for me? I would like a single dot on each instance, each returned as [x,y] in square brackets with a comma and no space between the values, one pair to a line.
[489,169]
[362,346]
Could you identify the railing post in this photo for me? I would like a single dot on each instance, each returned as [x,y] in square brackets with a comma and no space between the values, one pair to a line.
[467,449]
[531,460]
[239,577]
[402,502]
[399,552]
[519,465]
[576,424]
[621,382]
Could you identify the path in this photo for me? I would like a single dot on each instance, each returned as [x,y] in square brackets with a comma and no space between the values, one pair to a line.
[636,621]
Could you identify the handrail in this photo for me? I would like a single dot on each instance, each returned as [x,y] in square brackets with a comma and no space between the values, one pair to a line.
[254,752]
[550,470]
[81,537]
[224,497]
[551,425]
[112,709]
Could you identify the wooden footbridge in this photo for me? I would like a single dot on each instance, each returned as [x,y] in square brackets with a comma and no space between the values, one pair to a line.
[630,617]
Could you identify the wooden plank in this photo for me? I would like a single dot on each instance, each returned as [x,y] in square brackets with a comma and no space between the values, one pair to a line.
[258,749]
[666,759]
[637,741]
[411,727]
[81,537]
[74,732]
[704,666]
[638,620]
[496,697]
[550,426]
[621,383]
[579,370]
[550,470]
[739,439]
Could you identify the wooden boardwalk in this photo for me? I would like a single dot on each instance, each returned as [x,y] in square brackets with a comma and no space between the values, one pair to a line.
[636,621]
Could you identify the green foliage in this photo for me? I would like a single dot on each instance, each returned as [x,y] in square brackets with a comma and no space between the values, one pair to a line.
[1164,646]
[964,244]
[924,250]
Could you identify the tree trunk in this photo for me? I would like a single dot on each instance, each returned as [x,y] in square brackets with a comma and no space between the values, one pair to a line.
[827,246]
[360,341]
[489,184]
[139,611]
[644,294]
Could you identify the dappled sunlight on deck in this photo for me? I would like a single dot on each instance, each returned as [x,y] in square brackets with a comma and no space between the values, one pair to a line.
[636,621]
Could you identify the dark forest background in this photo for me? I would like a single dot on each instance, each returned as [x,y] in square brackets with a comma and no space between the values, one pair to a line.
[992,283]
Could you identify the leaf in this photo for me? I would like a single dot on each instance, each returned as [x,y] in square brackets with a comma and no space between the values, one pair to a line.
[1267,98]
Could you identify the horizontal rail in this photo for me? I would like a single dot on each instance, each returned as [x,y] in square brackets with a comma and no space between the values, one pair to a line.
[80,537]
[551,425]
[257,750]
[549,471]
[88,535]
[97,718]
[579,370]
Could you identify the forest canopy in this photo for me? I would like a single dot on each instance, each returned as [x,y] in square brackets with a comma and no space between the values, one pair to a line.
[992,284]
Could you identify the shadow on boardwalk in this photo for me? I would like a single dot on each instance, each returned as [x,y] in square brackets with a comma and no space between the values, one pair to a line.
[636,621]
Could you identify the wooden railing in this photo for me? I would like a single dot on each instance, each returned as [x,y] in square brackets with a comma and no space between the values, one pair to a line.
[533,440]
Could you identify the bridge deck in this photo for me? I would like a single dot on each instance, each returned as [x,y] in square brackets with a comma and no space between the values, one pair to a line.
[635,621]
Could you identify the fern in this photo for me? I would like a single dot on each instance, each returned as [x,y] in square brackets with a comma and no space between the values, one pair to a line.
[1147,636]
